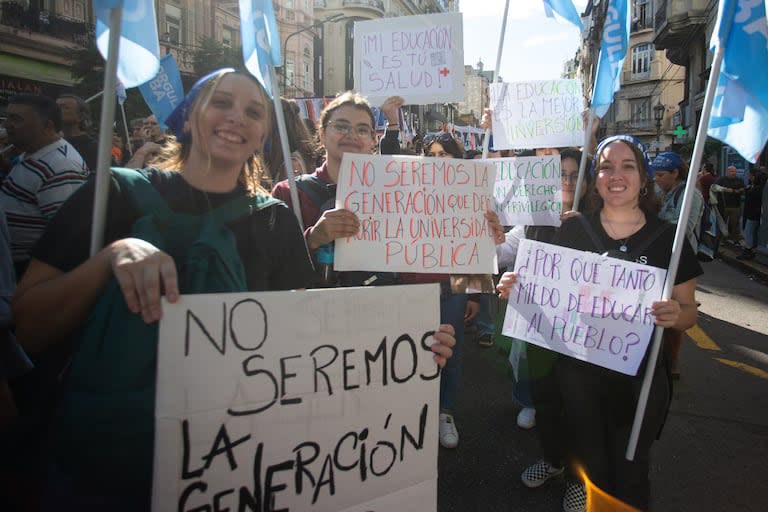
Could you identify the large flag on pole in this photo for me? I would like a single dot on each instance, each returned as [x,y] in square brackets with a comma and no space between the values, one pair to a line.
[165,90]
[139,46]
[613,50]
[565,9]
[740,108]
[261,41]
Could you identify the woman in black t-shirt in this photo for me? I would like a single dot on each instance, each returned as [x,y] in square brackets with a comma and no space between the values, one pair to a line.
[600,403]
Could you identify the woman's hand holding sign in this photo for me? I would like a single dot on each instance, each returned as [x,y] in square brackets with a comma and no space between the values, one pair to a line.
[507,281]
[333,224]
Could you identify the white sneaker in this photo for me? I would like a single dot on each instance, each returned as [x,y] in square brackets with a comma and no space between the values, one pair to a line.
[537,474]
[449,436]
[575,499]
[526,418]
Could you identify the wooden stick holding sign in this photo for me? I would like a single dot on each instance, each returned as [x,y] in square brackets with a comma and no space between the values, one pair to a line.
[336,412]
[583,305]
[417,214]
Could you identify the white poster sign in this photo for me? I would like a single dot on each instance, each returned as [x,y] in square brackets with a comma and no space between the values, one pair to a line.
[336,412]
[528,190]
[420,58]
[584,305]
[537,114]
[417,214]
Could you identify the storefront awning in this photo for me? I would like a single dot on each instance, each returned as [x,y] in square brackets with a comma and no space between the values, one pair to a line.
[22,67]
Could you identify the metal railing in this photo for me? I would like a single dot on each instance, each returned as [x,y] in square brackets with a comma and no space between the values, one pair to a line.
[376,4]
[33,20]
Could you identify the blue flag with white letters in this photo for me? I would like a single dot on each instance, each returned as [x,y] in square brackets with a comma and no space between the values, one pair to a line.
[613,50]
[164,91]
[139,51]
[564,8]
[261,40]
[739,114]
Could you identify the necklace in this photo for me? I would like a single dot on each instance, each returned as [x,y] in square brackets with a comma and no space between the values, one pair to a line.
[622,242]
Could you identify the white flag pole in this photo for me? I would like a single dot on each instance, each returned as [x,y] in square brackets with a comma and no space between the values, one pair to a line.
[101,194]
[487,140]
[284,144]
[677,246]
[125,128]
[584,157]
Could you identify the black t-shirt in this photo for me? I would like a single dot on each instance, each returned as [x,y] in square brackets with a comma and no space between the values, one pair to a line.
[88,147]
[572,234]
[274,258]
[730,199]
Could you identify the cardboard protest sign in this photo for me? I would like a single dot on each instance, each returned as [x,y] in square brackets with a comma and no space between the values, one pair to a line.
[528,190]
[584,305]
[420,58]
[417,214]
[336,412]
[537,114]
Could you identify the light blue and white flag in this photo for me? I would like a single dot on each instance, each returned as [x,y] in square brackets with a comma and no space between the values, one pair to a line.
[120,92]
[613,50]
[261,40]
[139,47]
[164,91]
[565,9]
[739,115]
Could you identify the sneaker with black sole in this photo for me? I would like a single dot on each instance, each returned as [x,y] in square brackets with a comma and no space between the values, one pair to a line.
[537,475]
[575,499]
[449,436]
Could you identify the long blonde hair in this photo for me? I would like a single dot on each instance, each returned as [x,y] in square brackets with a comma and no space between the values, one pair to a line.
[175,153]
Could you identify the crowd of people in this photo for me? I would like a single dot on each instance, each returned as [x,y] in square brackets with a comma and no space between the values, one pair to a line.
[222,146]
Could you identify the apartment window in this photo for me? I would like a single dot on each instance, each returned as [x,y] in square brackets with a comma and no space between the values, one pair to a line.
[173,23]
[290,71]
[642,55]
[640,111]
[307,77]
[289,4]
[642,16]
[227,37]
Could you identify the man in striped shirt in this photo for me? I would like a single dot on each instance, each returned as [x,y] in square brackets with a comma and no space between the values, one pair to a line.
[48,171]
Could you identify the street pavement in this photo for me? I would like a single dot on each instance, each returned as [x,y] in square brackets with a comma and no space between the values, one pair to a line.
[713,452]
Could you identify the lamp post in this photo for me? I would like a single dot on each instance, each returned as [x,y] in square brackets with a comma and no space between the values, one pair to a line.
[316,24]
[658,115]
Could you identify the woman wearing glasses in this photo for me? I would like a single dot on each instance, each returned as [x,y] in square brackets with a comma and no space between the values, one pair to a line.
[600,404]
[347,127]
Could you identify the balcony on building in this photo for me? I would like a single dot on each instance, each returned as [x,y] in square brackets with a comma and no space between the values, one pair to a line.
[30,22]
[377,6]
[677,23]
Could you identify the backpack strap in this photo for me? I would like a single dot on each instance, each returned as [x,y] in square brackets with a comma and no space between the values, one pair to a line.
[149,201]
[599,245]
[636,251]
[318,191]
[144,195]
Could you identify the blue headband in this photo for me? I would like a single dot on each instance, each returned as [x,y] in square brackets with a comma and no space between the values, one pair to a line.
[632,141]
[180,114]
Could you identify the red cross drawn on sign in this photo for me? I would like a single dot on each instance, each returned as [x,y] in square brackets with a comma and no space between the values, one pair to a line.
[445,71]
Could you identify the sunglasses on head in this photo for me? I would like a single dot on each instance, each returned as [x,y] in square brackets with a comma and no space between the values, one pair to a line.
[440,137]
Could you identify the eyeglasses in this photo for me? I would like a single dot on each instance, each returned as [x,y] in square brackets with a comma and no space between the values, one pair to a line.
[360,130]
[569,178]
[440,137]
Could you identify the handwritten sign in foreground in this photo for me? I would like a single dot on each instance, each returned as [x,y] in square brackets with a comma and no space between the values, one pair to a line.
[538,114]
[420,58]
[584,305]
[417,214]
[528,190]
[337,412]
